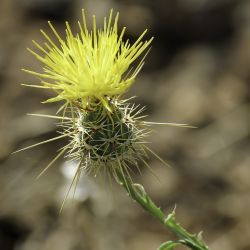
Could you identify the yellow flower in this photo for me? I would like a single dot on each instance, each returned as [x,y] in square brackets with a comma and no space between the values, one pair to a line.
[88,72]
[90,66]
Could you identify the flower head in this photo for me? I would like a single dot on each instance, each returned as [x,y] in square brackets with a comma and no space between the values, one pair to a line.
[88,72]
[90,66]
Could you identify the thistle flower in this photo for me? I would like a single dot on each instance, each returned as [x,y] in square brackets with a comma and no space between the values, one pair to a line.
[90,71]
[89,66]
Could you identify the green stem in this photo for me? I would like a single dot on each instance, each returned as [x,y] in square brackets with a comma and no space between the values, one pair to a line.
[137,193]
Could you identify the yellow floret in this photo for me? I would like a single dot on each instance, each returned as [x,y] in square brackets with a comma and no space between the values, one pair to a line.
[89,66]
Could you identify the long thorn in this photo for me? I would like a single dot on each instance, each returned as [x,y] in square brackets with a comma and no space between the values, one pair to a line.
[51,163]
[169,124]
[43,142]
[51,116]
[156,155]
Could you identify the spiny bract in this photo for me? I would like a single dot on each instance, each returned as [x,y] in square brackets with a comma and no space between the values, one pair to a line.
[89,66]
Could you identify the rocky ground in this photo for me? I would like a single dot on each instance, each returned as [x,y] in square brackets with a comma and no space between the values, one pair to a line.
[197,72]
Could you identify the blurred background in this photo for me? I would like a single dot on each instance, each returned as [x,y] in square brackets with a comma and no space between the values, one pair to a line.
[197,72]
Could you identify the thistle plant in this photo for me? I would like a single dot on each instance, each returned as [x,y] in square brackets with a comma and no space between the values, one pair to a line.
[89,72]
